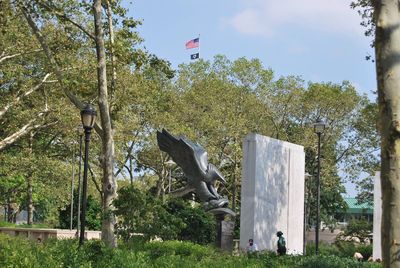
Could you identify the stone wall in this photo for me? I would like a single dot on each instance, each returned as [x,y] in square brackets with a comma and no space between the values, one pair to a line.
[272,196]
[41,234]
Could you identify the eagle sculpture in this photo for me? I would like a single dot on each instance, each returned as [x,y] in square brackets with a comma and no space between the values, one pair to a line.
[201,175]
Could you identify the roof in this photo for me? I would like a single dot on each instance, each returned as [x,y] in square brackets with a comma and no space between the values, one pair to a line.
[355,207]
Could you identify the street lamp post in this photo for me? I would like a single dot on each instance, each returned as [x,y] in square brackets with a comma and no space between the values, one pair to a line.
[170,163]
[72,188]
[306,177]
[78,218]
[88,116]
[319,128]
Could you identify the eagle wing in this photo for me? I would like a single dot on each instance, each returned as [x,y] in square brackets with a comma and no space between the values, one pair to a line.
[191,157]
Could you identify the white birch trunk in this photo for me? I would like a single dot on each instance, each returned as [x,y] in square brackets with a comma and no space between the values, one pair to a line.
[387,50]
[109,182]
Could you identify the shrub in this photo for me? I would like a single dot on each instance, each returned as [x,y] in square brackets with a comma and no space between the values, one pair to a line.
[323,249]
[17,252]
[158,249]
[200,226]
[332,262]
[360,229]
[93,214]
[341,249]
[7,224]
[365,250]
[142,213]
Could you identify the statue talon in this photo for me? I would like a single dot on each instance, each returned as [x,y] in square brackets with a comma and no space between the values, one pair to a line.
[219,203]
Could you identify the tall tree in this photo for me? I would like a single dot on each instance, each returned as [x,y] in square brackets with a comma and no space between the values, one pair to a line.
[382,17]
[109,185]
[387,56]
[75,71]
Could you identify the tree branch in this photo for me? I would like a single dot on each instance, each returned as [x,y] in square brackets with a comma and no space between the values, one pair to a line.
[28,127]
[128,154]
[3,58]
[20,96]
[112,52]
[65,17]
[36,31]
[93,177]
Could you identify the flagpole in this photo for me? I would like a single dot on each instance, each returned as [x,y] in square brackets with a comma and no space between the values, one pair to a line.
[199,45]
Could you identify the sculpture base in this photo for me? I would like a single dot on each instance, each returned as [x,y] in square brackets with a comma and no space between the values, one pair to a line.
[225,229]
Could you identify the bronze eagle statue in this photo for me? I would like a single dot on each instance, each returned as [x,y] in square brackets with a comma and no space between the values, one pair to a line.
[193,159]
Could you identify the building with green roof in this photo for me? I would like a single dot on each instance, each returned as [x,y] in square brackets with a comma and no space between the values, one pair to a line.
[356,210]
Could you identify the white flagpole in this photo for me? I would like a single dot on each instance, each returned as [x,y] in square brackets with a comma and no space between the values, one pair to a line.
[199,46]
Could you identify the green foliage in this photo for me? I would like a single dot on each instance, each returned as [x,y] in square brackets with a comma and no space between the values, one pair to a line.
[93,214]
[10,224]
[141,213]
[254,101]
[365,190]
[200,226]
[332,262]
[7,224]
[365,250]
[17,252]
[342,249]
[184,249]
[359,228]
[213,102]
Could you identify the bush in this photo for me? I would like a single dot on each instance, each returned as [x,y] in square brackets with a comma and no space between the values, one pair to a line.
[17,252]
[356,228]
[141,213]
[323,249]
[93,214]
[341,249]
[365,250]
[184,249]
[332,262]
[200,226]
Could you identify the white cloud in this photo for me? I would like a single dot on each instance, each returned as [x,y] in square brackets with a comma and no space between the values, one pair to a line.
[267,17]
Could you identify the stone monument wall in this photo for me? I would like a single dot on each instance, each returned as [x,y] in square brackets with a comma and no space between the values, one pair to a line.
[272,195]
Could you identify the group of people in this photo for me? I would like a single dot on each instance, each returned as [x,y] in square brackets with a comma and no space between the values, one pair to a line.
[281,244]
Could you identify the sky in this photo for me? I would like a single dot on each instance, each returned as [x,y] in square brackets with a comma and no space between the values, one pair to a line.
[319,40]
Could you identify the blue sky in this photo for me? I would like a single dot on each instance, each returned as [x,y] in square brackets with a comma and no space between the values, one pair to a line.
[319,40]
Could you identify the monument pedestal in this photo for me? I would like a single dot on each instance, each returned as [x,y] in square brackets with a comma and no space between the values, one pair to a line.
[225,229]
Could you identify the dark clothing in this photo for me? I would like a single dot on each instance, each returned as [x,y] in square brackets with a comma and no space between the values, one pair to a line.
[281,246]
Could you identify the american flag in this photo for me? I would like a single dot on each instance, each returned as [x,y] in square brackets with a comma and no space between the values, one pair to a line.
[192,43]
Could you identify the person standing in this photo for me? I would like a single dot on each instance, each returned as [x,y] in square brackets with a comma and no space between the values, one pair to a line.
[281,244]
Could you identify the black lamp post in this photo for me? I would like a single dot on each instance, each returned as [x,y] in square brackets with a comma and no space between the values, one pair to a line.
[319,128]
[88,116]
[78,225]
[306,196]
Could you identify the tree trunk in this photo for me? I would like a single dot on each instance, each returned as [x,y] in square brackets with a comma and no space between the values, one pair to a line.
[234,186]
[9,210]
[29,185]
[387,50]
[30,201]
[160,185]
[109,182]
